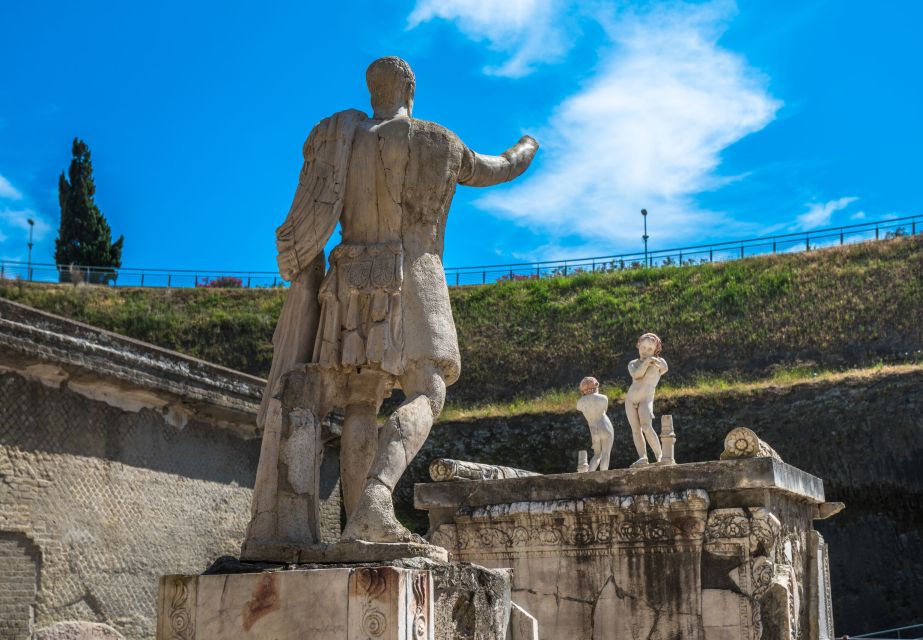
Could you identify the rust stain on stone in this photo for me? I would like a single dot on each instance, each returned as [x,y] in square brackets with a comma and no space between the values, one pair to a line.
[265,600]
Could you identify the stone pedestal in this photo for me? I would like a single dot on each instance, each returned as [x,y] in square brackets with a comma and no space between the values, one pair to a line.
[710,551]
[387,603]
[412,599]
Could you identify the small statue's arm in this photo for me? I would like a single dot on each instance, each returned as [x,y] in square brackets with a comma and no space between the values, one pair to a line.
[638,367]
[485,171]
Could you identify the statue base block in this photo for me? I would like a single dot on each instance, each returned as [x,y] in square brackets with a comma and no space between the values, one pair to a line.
[339,603]
[358,551]
[410,599]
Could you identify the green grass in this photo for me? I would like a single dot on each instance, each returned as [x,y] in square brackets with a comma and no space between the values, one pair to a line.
[564,400]
[736,321]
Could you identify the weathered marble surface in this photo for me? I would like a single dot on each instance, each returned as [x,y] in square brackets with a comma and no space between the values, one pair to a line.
[706,551]
[323,604]
[412,599]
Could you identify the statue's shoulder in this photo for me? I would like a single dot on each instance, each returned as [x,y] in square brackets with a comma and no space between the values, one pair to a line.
[433,129]
[339,119]
[331,128]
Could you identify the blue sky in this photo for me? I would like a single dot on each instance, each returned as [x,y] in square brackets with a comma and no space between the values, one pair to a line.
[723,119]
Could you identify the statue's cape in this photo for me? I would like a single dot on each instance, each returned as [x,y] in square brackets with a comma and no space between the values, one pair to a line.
[318,200]
[300,241]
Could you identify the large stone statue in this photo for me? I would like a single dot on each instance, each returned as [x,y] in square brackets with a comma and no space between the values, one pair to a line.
[380,317]
[645,372]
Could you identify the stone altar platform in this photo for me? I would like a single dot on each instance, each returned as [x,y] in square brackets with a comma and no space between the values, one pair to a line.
[711,551]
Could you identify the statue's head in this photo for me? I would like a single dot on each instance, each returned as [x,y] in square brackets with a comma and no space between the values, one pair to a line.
[649,345]
[589,385]
[391,84]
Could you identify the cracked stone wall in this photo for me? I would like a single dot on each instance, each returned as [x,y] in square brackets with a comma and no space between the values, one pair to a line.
[103,502]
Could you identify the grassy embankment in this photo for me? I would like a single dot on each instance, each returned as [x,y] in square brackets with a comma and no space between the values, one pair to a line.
[525,345]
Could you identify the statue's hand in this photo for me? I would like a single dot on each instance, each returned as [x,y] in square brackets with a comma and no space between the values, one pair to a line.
[528,141]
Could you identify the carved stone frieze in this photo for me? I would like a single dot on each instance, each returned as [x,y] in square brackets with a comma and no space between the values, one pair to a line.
[580,525]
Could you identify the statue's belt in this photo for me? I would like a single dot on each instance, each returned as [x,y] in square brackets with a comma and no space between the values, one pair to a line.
[369,268]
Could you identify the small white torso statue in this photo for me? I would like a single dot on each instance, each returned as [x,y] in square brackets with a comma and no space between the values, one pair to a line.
[593,405]
[639,402]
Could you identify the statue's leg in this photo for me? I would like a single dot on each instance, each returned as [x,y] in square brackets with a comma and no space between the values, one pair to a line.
[359,442]
[358,447]
[594,440]
[646,412]
[605,442]
[400,439]
[631,409]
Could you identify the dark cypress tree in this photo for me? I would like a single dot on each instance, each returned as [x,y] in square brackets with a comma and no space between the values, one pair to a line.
[84,238]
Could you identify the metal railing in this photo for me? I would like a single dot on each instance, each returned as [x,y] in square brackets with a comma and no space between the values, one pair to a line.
[913,632]
[462,276]
[698,254]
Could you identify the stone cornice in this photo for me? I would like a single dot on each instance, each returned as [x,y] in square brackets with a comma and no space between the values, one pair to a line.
[125,372]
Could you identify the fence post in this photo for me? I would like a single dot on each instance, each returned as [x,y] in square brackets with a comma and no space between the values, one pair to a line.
[456,278]
[169,280]
[680,258]
[841,237]
[773,246]
[484,277]
[594,266]
[741,251]
[565,267]
[913,228]
[807,242]
[142,278]
[711,254]
[538,271]
[876,232]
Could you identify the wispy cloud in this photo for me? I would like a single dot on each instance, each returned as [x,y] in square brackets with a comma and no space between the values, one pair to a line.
[647,132]
[8,191]
[527,31]
[820,213]
[14,220]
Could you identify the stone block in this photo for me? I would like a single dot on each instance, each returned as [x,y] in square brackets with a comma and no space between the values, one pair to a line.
[340,603]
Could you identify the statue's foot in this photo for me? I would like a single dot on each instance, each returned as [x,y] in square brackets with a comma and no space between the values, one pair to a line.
[373,519]
[640,462]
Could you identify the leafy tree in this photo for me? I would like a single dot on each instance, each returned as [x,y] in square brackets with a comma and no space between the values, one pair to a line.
[84,238]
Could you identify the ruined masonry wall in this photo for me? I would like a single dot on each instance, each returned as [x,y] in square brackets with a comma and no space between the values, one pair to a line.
[103,502]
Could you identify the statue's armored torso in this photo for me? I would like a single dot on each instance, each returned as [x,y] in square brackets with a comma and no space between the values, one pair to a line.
[386,277]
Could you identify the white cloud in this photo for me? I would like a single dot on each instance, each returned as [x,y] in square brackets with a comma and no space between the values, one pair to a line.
[859,215]
[18,219]
[647,132]
[8,191]
[819,213]
[530,31]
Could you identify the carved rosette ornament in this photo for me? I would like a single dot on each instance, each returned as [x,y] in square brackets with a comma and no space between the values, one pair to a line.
[744,443]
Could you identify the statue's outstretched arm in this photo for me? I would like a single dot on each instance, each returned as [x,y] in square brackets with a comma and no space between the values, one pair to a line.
[485,171]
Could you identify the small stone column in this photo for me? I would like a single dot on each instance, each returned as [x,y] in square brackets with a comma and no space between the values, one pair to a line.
[667,440]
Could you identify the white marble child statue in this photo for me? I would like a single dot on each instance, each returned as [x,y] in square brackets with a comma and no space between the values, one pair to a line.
[639,402]
[592,404]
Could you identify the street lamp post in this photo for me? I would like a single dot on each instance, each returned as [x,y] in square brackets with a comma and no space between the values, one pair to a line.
[31,226]
[645,236]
